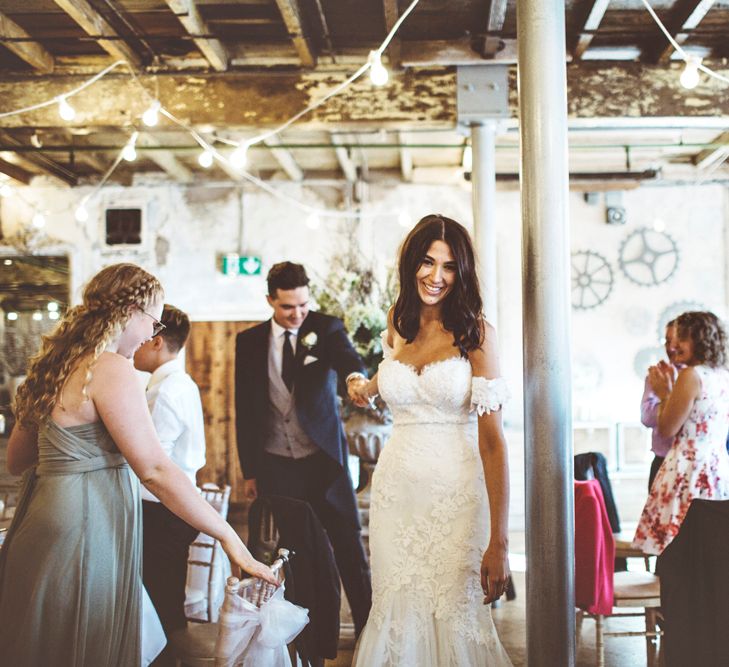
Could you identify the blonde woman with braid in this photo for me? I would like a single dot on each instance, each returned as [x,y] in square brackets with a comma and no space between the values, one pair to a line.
[70,569]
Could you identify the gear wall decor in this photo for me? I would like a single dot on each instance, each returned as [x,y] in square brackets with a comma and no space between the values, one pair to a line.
[592,279]
[647,257]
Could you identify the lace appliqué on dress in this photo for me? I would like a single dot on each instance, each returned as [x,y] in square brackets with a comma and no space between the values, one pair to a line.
[488,396]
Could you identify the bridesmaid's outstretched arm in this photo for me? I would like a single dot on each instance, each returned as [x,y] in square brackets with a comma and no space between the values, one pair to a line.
[22,449]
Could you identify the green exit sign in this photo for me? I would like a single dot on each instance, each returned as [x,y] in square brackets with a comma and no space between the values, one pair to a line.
[233,264]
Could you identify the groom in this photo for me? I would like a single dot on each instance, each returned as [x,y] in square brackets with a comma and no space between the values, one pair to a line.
[290,436]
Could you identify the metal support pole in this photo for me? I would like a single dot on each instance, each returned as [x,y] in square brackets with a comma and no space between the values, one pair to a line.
[546,286]
[483,186]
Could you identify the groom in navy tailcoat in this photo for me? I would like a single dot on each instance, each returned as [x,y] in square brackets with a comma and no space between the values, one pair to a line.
[289,432]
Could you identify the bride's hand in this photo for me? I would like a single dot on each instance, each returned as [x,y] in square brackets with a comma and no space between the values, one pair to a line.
[495,572]
[357,390]
[240,556]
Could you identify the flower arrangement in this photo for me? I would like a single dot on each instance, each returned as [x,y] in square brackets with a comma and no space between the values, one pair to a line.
[352,292]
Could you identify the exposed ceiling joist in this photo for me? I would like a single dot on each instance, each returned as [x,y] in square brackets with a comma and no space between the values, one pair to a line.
[189,15]
[592,23]
[439,53]
[291,14]
[165,160]
[392,14]
[94,23]
[15,172]
[285,158]
[717,154]
[688,15]
[37,160]
[494,25]
[349,169]
[31,52]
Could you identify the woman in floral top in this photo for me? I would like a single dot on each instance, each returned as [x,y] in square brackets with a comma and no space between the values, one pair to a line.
[694,411]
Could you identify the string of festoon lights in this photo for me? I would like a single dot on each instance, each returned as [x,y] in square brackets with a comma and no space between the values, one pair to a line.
[690,76]
[237,160]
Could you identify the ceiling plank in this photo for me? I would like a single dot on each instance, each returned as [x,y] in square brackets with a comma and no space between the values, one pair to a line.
[94,23]
[32,52]
[439,53]
[189,15]
[392,14]
[285,158]
[16,172]
[38,160]
[494,25]
[349,169]
[592,23]
[685,18]
[291,14]
[164,159]
[716,154]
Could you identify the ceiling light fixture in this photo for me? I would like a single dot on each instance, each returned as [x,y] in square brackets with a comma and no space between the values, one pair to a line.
[690,76]
[65,110]
[130,151]
[378,72]
[205,159]
[151,116]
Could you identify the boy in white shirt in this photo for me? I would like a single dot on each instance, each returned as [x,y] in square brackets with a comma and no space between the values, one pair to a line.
[174,401]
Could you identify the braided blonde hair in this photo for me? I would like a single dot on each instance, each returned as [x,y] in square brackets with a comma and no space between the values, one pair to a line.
[109,300]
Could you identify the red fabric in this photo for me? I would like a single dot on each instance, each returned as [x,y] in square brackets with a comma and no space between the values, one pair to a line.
[594,550]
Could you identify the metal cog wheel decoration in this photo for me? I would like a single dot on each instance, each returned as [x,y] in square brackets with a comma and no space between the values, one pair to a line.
[647,257]
[592,279]
[645,357]
[673,311]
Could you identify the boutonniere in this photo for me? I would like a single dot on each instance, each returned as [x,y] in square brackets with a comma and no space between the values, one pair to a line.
[310,339]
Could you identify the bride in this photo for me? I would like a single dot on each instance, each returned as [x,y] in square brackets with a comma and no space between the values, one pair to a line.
[437,561]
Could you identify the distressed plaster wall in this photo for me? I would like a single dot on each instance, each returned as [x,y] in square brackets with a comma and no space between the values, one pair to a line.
[188,226]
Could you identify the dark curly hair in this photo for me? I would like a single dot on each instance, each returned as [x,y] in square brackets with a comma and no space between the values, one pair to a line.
[462,311]
[707,334]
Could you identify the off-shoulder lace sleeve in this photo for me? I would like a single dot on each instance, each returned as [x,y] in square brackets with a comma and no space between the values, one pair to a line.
[386,349]
[488,396]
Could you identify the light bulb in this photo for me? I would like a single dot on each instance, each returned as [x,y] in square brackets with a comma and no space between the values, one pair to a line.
[12,315]
[205,159]
[403,219]
[53,315]
[690,76]
[82,215]
[37,316]
[378,72]
[130,151]
[52,306]
[65,110]
[39,220]
[312,222]
[151,116]
[6,190]
[239,157]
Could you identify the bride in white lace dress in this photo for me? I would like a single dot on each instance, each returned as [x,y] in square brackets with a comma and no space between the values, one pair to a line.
[437,561]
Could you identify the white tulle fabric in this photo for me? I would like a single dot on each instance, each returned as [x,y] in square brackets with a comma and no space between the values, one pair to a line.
[257,637]
[429,523]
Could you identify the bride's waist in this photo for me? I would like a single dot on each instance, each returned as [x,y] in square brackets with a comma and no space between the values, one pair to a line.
[432,421]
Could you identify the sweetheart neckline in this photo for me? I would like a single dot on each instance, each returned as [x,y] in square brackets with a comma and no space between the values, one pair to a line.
[428,366]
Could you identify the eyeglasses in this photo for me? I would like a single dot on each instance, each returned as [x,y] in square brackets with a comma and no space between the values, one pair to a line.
[157,327]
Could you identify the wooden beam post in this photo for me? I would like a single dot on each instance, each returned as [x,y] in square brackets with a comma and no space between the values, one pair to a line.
[32,52]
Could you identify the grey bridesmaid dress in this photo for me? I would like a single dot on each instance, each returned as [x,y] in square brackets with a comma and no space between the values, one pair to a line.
[70,568]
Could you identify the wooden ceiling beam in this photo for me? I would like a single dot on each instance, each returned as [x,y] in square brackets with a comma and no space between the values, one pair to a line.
[716,154]
[31,52]
[349,169]
[392,14]
[424,97]
[165,160]
[592,23]
[94,23]
[285,158]
[15,172]
[686,16]
[494,25]
[38,160]
[188,14]
[291,13]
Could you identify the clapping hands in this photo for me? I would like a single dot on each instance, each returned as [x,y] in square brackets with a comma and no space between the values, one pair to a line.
[661,378]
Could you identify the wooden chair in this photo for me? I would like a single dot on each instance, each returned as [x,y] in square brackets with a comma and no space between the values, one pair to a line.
[624,549]
[207,566]
[195,645]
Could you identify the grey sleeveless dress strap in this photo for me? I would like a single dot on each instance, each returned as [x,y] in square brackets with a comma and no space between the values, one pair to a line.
[70,569]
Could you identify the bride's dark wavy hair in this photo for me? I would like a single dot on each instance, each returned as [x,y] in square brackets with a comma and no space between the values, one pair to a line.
[462,311]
